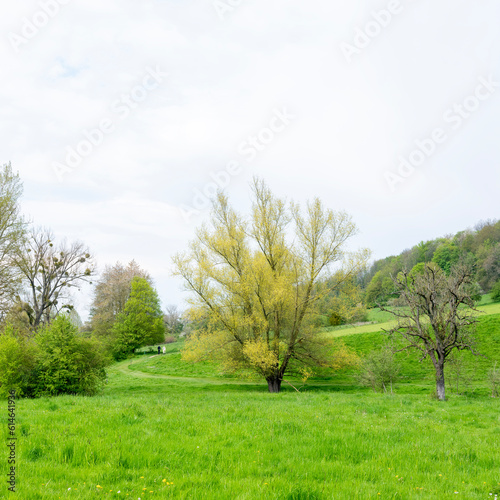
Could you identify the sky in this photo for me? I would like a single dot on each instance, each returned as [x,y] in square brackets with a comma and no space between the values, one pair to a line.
[124,117]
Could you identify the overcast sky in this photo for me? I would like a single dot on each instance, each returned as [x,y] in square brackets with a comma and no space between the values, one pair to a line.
[121,115]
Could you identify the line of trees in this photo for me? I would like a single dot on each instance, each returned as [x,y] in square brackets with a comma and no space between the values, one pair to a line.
[259,285]
[262,287]
[43,347]
[480,246]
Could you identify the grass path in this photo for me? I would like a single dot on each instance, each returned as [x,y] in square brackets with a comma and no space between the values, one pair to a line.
[124,368]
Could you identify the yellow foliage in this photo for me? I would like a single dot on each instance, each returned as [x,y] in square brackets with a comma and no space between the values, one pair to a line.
[254,284]
[259,356]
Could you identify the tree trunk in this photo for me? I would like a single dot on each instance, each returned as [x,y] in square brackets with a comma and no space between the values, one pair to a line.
[440,380]
[274,384]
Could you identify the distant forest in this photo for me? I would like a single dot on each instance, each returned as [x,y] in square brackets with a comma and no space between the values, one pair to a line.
[481,245]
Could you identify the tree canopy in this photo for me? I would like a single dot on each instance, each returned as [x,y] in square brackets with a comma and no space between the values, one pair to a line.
[255,281]
[438,317]
[111,294]
[12,230]
[49,272]
[141,321]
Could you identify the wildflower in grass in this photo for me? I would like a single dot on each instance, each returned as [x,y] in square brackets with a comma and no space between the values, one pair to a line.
[164,481]
[97,486]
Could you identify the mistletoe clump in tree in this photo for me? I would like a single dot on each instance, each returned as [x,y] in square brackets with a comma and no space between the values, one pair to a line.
[49,272]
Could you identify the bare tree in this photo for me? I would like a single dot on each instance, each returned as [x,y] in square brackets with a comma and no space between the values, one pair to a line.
[438,314]
[111,294]
[50,272]
[172,319]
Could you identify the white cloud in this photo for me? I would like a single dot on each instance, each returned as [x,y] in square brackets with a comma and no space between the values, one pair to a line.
[224,80]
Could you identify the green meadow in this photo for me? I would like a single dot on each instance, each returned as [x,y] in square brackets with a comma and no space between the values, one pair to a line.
[166,429]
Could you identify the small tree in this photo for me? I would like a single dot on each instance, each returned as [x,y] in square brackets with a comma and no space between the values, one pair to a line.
[141,322]
[460,372]
[172,320]
[111,294]
[437,317]
[380,370]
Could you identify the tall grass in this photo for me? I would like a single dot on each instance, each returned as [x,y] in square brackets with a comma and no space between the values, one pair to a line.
[155,432]
[242,443]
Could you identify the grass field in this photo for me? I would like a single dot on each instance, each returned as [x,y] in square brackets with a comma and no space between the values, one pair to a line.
[166,429]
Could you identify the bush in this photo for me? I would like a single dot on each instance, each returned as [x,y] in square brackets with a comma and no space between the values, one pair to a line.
[380,370]
[494,380]
[68,363]
[17,363]
[495,292]
[359,315]
[335,319]
[460,372]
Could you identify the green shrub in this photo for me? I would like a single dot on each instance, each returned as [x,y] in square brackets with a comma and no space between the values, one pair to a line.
[494,380]
[495,292]
[67,362]
[359,315]
[380,370]
[335,319]
[17,363]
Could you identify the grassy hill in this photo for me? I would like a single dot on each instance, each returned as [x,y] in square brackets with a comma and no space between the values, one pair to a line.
[416,377]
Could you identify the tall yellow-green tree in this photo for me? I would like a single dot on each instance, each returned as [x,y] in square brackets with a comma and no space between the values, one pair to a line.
[255,281]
